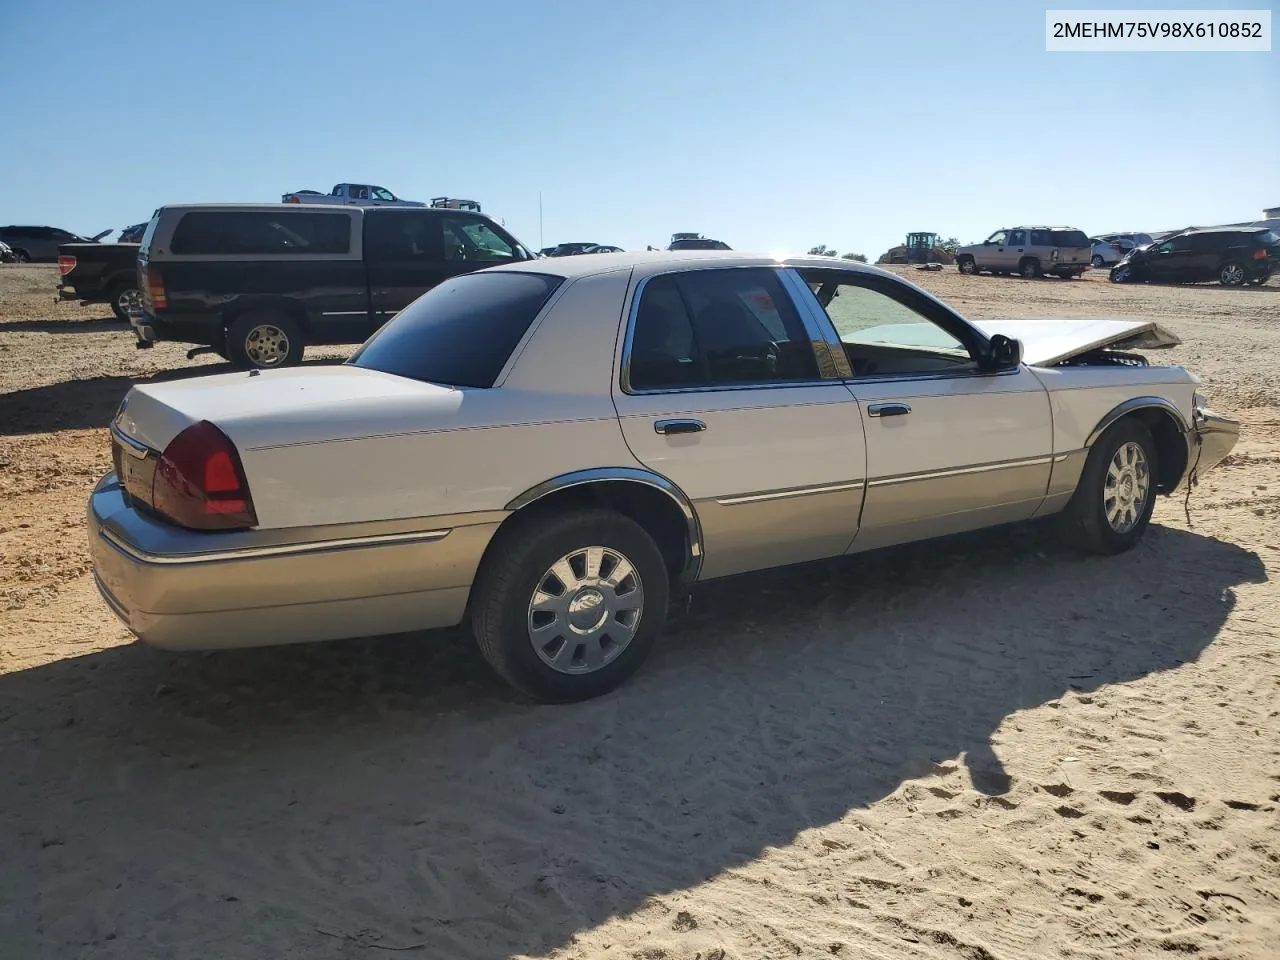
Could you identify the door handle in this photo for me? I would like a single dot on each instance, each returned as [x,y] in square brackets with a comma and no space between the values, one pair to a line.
[669,427]
[888,409]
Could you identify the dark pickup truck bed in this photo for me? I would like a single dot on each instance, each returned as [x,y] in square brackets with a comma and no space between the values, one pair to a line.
[101,273]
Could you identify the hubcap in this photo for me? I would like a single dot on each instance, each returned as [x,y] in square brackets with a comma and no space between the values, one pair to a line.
[1124,495]
[266,345]
[130,301]
[585,610]
[1232,273]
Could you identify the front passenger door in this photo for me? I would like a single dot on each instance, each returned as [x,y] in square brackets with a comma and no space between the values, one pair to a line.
[950,447]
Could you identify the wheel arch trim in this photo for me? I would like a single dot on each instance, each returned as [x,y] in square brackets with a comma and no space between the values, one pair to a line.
[1134,405]
[646,478]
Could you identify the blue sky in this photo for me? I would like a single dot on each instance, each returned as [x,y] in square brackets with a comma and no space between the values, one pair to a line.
[770,126]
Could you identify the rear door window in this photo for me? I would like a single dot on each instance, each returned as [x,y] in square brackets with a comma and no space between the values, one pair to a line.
[462,332]
[261,233]
[707,328]
[1017,238]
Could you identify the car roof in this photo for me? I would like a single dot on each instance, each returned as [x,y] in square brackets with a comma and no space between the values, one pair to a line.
[646,263]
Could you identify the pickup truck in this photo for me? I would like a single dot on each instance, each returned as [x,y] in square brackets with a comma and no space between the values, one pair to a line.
[101,273]
[257,283]
[356,194]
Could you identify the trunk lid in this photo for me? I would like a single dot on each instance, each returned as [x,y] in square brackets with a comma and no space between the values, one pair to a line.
[296,405]
[1052,340]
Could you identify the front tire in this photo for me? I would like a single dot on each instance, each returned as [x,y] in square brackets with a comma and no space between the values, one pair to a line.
[967,265]
[1116,495]
[1097,261]
[1121,273]
[567,606]
[21,256]
[265,340]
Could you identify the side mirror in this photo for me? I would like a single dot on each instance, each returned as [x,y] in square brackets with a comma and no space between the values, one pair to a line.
[1004,353]
[986,243]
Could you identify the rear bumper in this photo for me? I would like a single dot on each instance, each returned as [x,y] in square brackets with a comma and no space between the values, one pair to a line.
[187,590]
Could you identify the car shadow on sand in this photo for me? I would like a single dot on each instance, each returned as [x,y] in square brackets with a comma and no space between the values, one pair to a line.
[389,793]
[88,403]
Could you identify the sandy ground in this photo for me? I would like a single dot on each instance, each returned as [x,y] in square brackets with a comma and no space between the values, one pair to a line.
[987,748]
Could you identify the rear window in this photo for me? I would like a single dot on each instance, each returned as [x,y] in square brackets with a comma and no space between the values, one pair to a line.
[460,333]
[253,233]
[1268,238]
[1068,238]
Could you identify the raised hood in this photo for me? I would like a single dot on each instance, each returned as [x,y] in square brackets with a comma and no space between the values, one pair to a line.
[1049,341]
[297,405]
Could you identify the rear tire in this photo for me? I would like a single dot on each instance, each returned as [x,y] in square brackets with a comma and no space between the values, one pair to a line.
[1231,274]
[1116,493]
[1030,269]
[521,642]
[125,299]
[264,340]
[21,256]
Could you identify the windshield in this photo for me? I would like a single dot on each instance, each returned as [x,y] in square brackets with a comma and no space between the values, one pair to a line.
[382,193]
[460,333]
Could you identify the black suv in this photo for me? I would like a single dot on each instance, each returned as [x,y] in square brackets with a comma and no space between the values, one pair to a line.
[257,282]
[1232,256]
[40,244]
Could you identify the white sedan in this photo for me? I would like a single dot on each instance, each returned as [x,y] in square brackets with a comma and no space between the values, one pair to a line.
[548,450]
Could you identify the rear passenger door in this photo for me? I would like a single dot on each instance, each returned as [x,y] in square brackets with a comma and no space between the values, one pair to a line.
[720,390]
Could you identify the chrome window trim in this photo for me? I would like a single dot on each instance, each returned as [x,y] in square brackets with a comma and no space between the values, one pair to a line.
[647,478]
[1132,405]
[633,308]
[255,553]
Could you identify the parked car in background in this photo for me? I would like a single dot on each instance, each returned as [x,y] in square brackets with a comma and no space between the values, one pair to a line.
[101,273]
[356,194]
[1029,252]
[570,249]
[256,283]
[1106,252]
[504,453]
[453,203]
[133,234]
[6,253]
[1230,256]
[40,244]
[695,241]
[603,248]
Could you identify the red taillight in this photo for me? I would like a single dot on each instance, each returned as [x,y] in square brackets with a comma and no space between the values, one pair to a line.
[200,484]
[1259,254]
[152,288]
[66,265]
[293,200]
